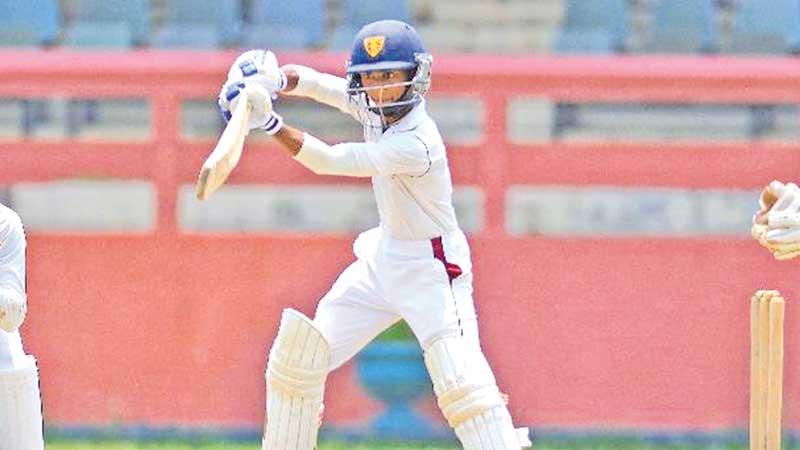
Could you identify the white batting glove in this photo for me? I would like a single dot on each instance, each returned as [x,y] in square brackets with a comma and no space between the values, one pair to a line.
[784,243]
[13,307]
[260,67]
[776,225]
[262,116]
[782,251]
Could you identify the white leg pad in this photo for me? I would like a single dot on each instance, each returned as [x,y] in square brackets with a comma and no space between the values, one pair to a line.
[21,408]
[468,396]
[296,372]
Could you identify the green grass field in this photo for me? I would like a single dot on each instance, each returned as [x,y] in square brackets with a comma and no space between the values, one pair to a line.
[583,444]
[61,444]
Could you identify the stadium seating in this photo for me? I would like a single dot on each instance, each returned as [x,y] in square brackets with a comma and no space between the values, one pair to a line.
[11,116]
[108,23]
[761,29]
[484,26]
[281,24]
[766,28]
[358,13]
[683,26]
[29,23]
[100,34]
[597,26]
[488,26]
[199,24]
[18,34]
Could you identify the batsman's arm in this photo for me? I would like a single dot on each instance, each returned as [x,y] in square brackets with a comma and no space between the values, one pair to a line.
[402,153]
[321,87]
[397,155]
[292,80]
[290,139]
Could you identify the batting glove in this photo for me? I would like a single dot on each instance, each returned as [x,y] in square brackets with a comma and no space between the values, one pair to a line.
[259,67]
[13,307]
[262,116]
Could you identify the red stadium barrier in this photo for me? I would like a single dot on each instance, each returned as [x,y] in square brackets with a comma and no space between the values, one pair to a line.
[172,328]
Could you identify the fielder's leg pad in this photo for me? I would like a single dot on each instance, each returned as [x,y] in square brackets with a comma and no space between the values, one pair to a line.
[468,396]
[21,408]
[296,372]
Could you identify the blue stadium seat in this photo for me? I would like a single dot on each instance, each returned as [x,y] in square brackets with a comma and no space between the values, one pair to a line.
[117,24]
[29,23]
[766,27]
[277,37]
[596,26]
[683,26]
[109,23]
[342,38]
[281,24]
[762,28]
[100,35]
[182,35]
[18,35]
[199,24]
[588,41]
[358,13]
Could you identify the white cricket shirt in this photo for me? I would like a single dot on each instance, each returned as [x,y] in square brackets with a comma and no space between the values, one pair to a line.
[407,161]
[12,277]
[12,251]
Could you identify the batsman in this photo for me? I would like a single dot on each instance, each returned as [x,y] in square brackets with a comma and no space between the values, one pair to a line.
[415,265]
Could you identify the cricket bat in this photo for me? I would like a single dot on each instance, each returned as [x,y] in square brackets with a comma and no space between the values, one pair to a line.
[221,162]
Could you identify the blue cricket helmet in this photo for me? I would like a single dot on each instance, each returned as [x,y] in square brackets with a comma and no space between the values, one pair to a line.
[385,45]
[390,45]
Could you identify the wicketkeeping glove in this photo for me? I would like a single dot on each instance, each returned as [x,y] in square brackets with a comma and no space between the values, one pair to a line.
[13,307]
[776,225]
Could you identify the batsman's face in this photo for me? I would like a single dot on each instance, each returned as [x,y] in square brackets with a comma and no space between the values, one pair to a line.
[385,86]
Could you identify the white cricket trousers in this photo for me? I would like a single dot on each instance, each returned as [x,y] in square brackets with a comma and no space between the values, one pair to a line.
[20,401]
[428,283]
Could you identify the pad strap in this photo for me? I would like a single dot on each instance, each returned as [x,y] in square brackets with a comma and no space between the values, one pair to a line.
[469,398]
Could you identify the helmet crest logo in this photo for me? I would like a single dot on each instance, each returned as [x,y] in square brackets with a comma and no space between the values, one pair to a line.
[374,45]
